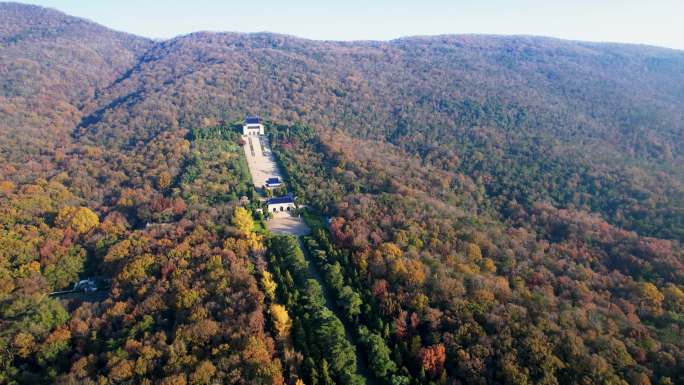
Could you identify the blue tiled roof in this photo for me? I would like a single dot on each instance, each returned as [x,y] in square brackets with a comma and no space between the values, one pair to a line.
[273,180]
[252,120]
[278,200]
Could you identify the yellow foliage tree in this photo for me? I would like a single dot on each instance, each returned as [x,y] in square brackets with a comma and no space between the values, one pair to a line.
[650,298]
[242,246]
[281,320]
[674,297]
[6,186]
[390,250]
[136,269]
[268,284]
[416,272]
[187,298]
[488,265]
[242,219]
[118,251]
[473,252]
[203,374]
[79,219]
[122,370]
[24,344]
[34,266]
[420,302]
[163,180]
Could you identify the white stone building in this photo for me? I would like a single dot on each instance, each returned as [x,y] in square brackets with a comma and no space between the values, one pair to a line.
[278,204]
[252,126]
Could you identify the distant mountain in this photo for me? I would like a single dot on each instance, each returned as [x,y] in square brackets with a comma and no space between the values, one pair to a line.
[579,106]
[497,209]
[603,93]
[611,106]
[51,65]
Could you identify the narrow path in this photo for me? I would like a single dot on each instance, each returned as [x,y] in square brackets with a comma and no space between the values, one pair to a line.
[361,367]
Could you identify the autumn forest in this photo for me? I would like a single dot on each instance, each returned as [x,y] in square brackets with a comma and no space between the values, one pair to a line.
[483,210]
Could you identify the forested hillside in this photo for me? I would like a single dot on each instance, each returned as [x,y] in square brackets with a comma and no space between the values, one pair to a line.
[548,296]
[486,209]
[575,124]
[51,66]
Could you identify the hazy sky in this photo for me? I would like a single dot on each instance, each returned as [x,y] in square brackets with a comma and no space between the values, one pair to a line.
[656,22]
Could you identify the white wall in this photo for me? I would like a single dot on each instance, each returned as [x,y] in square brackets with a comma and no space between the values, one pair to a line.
[281,207]
[253,129]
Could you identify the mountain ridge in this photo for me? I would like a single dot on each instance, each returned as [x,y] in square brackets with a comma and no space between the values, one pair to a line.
[607,104]
[484,209]
[23,7]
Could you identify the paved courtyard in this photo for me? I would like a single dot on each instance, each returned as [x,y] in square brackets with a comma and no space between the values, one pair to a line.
[260,160]
[284,223]
[262,165]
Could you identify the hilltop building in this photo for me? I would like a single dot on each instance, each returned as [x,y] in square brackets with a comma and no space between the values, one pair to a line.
[252,126]
[273,182]
[284,203]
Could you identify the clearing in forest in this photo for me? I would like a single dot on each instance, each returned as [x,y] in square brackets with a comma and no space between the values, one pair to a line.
[260,160]
[262,165]
[284,223]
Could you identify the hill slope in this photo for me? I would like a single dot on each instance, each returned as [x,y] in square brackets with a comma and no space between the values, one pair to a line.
[501,209]
[582,110]
[614,92]
[51,64]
